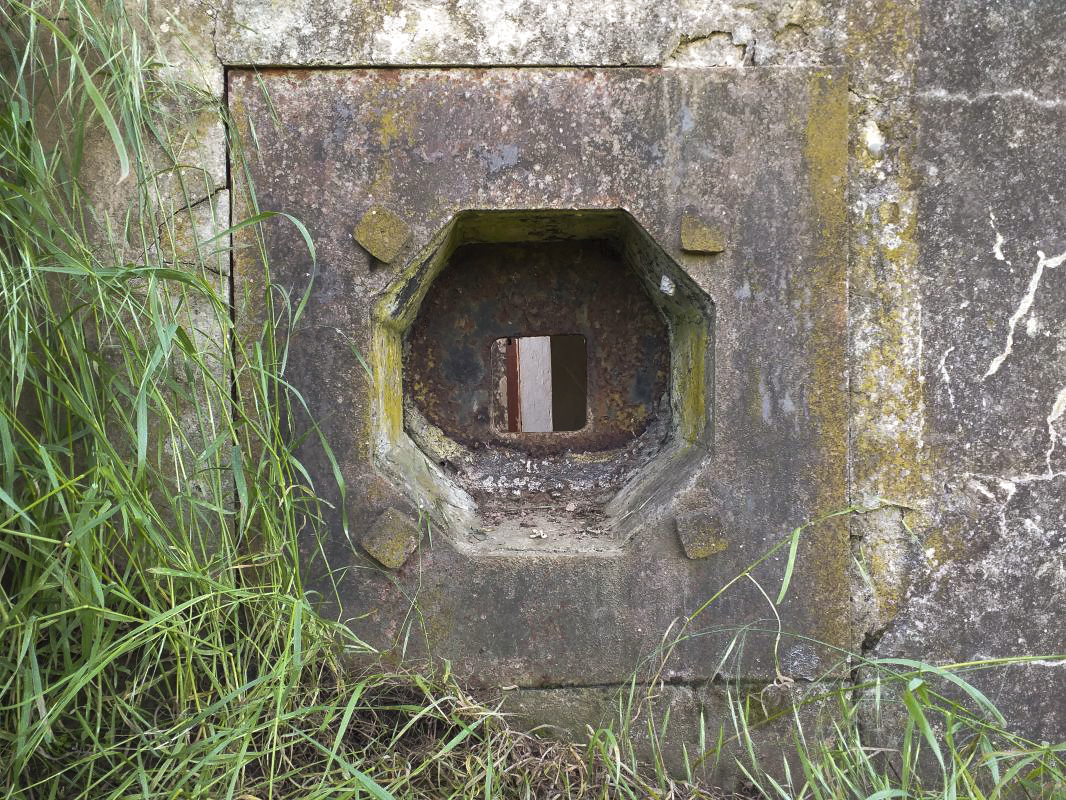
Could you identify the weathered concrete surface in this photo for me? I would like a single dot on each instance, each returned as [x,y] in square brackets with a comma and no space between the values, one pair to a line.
[183,33]
[190,236]
[701,533]
[505,32]
[428,144]
[690,721]
[990,229]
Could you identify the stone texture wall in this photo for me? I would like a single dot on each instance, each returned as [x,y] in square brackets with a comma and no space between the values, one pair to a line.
[985,174]
[957,266]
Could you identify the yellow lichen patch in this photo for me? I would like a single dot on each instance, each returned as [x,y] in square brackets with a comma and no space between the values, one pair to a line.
[889,457]
[395,126]
[690,378]
[392,126]
[884,39]
[890,460]
[388,378]
[825,155]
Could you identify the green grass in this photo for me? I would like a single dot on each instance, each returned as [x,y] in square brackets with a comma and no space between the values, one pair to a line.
[155,640]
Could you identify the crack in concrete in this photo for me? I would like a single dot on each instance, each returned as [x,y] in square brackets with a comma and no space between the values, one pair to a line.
[1058,408]
[1043,262]
[219,216]
[1009,484]
[746,57]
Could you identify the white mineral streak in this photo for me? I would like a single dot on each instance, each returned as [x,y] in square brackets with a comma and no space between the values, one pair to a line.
[947,378]
[997,248]
[1009,94]
[1058,408]
[1043,262]
[1009,484]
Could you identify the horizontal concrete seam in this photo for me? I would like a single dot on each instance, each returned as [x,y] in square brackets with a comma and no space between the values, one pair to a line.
[742,683]
[1010,94]
[436,66]
[254,65]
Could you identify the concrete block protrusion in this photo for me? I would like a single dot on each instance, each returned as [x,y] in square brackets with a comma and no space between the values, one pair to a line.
[382,233]
[391,538]
[701,533]
[699,236]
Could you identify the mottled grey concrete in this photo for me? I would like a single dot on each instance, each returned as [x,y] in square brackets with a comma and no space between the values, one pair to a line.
[989,165]
[522,32]
[560,611]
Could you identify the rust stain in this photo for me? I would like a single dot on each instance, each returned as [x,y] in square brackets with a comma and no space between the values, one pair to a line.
[493,291]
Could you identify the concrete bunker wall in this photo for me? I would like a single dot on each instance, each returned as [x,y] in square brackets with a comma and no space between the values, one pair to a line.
[908,269]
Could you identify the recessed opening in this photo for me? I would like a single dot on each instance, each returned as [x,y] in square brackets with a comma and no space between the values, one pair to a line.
[623,376]
[541,383]
[555,289]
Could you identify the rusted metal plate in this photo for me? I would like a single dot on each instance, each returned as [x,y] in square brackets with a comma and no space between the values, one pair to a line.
[492,291]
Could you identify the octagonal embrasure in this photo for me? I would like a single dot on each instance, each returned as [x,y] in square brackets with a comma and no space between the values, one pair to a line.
[493,274]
